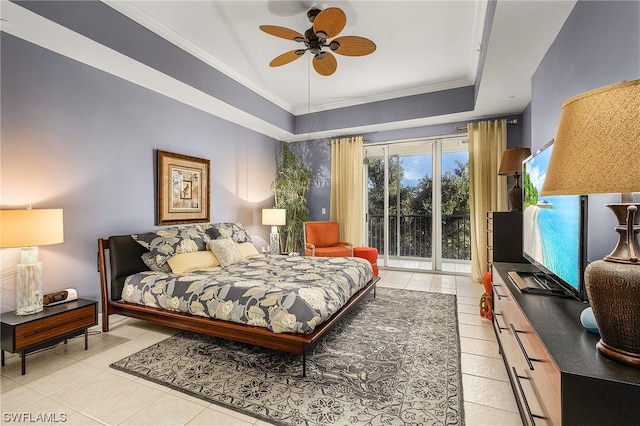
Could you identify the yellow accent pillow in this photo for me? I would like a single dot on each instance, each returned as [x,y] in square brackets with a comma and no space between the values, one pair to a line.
[248,250]
[194,261]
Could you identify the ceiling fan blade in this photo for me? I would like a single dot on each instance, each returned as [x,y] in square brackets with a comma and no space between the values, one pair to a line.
[354,46]
[330,21]
[285,58]
[325,66]
[281,32]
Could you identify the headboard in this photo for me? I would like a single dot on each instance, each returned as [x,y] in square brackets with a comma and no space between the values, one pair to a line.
[125,257]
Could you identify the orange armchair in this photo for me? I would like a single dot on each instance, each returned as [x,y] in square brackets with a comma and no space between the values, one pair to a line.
[322,239]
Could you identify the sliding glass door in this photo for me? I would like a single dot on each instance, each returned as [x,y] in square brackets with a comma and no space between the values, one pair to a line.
[415,208]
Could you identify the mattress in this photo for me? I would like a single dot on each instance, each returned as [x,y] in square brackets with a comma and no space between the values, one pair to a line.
[285,294]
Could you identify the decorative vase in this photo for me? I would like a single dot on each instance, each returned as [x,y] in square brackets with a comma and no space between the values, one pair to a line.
[614,293]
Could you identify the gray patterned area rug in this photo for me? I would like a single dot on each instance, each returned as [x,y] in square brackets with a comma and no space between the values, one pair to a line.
[394,360]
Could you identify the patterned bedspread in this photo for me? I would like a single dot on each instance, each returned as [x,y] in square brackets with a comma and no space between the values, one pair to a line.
[282,293]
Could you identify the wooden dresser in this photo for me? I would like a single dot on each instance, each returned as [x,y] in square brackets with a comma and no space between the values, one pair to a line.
[558,376]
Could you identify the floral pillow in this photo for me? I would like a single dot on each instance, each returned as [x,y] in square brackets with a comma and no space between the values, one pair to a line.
[164,243]
[151,263]
[226,250]
[235,231]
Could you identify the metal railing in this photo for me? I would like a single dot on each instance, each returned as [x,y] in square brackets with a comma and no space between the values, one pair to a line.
[410,236]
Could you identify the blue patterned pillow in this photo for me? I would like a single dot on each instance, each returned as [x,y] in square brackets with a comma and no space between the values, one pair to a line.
[235,231]
[164,243]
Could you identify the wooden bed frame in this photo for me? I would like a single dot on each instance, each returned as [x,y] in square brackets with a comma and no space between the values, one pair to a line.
[295,343]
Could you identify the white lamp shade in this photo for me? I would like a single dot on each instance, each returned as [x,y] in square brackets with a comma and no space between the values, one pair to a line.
[274,217]
[27,228]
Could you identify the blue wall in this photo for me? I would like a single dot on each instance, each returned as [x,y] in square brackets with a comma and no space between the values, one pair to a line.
[598,45]
[80,139]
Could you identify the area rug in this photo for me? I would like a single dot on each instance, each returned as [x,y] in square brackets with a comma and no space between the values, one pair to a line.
[393,360]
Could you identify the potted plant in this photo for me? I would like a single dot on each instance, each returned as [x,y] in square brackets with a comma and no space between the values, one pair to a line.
[290,185]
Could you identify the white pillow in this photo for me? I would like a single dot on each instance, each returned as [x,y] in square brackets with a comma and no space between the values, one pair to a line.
[226,250]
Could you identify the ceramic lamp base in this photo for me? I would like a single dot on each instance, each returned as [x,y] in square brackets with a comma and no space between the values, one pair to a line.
[274,241]
[515,198]
[614,293]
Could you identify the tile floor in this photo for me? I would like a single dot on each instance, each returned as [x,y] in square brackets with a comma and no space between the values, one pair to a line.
[77,386]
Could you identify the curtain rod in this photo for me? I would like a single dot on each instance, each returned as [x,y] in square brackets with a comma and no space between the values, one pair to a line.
[458,128]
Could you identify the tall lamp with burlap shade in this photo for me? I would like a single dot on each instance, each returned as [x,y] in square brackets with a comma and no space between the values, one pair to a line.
[597,150]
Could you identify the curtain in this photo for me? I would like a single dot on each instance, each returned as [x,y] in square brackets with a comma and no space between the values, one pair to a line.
[487,190]
[347,188]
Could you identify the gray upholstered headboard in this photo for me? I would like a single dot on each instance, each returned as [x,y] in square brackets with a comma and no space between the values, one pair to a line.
[125,257]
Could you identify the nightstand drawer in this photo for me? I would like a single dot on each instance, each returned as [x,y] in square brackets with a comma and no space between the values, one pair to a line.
[54,326]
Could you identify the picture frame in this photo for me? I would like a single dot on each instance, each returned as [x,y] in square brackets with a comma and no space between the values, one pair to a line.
[183,189]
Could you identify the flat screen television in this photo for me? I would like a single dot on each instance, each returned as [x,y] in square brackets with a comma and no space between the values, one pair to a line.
[553,229]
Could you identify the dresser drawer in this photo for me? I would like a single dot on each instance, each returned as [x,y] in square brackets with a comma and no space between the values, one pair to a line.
[53,326]
[535,374]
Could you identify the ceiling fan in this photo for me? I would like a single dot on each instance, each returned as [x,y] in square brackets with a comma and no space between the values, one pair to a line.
[327,24]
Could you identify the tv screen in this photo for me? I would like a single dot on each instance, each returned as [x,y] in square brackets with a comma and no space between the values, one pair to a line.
[553,227]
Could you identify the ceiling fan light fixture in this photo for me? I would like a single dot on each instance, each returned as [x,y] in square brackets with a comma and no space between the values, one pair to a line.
[326,24]
[310,36]
[312,13]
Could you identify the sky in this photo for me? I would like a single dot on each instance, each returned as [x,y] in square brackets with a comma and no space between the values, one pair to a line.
[417,166]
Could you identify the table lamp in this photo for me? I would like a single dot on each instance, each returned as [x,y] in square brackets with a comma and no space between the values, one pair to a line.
[511,164]
[275,218]
[597,150]
[29,229]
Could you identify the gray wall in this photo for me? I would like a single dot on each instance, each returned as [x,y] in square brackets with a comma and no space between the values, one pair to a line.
[598,45]
[79,139]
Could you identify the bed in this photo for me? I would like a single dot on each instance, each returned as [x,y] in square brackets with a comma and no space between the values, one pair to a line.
[286,303]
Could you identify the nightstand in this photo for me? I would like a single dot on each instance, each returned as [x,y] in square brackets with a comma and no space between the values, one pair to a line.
[54,324]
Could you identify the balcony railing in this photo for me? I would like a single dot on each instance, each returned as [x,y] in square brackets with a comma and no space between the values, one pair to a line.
[416,239]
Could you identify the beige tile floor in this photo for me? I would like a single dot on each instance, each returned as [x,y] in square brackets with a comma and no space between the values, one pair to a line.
[77,386]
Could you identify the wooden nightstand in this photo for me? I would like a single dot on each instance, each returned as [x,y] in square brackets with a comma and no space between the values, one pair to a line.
[27,333]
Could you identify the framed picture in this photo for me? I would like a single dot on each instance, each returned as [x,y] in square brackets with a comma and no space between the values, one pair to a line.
[183,189]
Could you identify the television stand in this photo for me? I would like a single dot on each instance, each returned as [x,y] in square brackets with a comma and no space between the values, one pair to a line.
[531,282]
[557,374]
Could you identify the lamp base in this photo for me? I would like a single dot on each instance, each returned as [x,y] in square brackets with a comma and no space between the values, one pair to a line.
[29,292]
[515,195]
[614,294]
[618,355]
[274,241]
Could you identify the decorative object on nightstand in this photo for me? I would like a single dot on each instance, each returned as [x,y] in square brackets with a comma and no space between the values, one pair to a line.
[275,218]
[597,150]
[511,164]
[29,229]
